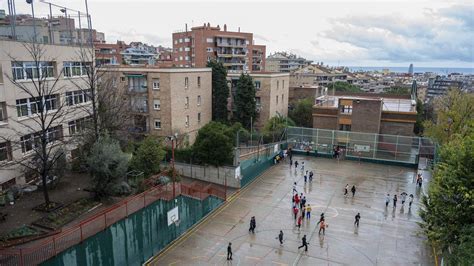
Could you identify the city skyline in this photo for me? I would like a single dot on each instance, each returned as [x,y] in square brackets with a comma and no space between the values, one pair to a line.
[350,33]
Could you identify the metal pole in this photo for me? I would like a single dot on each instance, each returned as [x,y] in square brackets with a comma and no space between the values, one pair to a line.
[34,22]
[51,33]
[225,185]
[79,35]
[251,130]
[89,23]
[173,171]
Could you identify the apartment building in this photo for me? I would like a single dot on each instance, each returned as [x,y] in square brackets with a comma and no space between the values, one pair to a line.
[19,111]
[236,50]
[316,75]
[166,101]
[109,53]
[439,86]
[285,62]
[54,30]
[271,96]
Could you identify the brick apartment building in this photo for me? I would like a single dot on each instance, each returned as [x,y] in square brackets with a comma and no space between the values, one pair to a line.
[165,101]
[271,94]
[236,50]
[109,53]
[367,113]
[18,109]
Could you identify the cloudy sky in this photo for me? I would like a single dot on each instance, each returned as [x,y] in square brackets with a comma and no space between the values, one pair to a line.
[355,33]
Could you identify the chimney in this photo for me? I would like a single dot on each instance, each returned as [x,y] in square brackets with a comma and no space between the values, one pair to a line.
[239,29]
[225,27]
[209,25]
[186,27]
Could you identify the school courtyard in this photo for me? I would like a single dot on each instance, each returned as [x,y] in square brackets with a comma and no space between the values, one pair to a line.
[386,236]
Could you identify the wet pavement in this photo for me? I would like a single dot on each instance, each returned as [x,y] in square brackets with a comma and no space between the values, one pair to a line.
[386,236]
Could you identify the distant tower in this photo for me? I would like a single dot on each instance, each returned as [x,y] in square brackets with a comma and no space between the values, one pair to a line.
[410,69]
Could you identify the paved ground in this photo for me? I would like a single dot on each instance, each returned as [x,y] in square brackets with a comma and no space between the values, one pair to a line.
[385,236]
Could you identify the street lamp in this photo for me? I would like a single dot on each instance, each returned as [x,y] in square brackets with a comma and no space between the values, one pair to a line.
[173,140]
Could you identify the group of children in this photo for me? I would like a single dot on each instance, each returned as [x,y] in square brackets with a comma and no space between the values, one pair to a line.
[403,198]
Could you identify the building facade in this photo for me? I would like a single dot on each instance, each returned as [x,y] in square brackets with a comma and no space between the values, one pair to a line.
[167,101]
[366,113]
[236,50]
[440,86]
[19,111]
[285,62]
[315,75]
[271,95]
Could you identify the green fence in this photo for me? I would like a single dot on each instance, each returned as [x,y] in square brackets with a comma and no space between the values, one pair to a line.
[258,163]
[135,239]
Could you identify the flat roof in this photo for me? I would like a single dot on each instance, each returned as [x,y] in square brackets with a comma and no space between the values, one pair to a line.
[388,104]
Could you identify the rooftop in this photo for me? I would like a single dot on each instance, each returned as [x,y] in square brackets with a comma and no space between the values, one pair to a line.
[389,104]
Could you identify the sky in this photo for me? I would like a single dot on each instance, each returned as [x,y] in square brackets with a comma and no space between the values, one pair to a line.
[351,33]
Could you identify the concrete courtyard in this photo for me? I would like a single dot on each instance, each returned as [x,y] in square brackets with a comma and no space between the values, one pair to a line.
[386,236]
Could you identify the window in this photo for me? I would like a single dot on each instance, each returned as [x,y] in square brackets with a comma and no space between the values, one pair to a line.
[31,141]
[156,104]
[209,49]
[187,121]
[345,127]
[77,126]
[157,123]
[210,40]
[199,82]
[77,97]
[199,118]
[5,151]
[175,41]
[176,59]
[346,109]
[282,98]
[283,84]
[277,99]
[187,49]
[180,58]
[156,84]
[180,49]
[29,70]
[257,85]
[30,106]
[3,112]
[258,101]
[199,100]
[180,40]
[186,40]
[186,102]
[186,82]
[75,69]
[278,84]
[187,58]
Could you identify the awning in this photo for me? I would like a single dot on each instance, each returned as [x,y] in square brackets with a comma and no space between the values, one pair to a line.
[134,75]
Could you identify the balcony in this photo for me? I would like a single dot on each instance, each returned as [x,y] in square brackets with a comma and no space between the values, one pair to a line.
[132,89]
[139,105]
[231,44]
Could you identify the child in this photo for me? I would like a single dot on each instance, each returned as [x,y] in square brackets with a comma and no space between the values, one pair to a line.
[308,211]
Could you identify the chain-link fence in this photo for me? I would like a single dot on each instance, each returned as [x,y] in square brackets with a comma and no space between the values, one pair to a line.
[357,145]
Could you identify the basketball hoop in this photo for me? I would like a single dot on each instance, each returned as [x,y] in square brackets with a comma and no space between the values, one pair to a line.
[175,220]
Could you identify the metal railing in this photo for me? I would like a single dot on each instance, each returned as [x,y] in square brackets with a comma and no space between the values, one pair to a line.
[74,235]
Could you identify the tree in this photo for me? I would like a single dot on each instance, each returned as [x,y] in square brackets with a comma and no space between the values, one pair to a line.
[454,115]
[213,144]
[418,129]
[302,114]
[148,156]
[107,164]
[244,101]
[40,137]
[397,90]
[447,209]
[345,87]
[275,127]
[220,91]
[108,112]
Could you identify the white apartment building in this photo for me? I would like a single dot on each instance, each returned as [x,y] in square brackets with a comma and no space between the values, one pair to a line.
[59,67]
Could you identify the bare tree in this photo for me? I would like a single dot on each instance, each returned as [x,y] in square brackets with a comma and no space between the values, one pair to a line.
[110,108]
[42,111]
